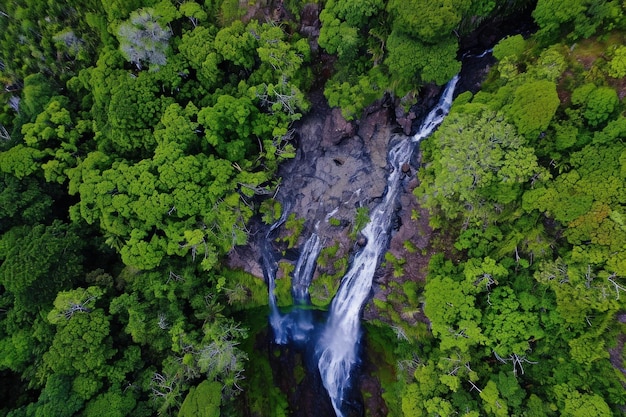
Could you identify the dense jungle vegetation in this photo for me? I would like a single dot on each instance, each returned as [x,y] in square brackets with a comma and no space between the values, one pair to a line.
[139,137]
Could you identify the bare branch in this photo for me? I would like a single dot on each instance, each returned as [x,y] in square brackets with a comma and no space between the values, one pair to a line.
[487,279]
[161,386]
[474,387]
[163,325]
[518,361]
[498,357]
[174,277]
[617,286]
[588,277]
[4,134]
[80,307]
[400,333]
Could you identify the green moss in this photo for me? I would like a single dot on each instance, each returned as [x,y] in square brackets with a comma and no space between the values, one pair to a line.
[333,221]
[294,226]
[411,289]
[381,340]
[325,286]
[270,211]
[380,304]
[299,373]
[327,254]
[231,11]
[382,348]
[409,246]
[361,219]
[396,263]
[244,290]
[283,285]
[341,266]
[323,289]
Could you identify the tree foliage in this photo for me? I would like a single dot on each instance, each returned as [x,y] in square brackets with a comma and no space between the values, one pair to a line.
[532,296]
[138,138]
[158,123]
[143,40]
[478,164]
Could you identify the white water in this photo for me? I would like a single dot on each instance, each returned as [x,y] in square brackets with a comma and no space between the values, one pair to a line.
[270,266]
[337,347]
[297,325]
[305,267]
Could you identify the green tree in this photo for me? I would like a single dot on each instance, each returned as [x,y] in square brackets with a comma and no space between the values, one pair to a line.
[343,25]
[202,401]
[143,39]
[22,201]
[355,13]
[597,103]
[511,46]
[195,47]
[455,320]
[57,398]
[576,404]
[534,105]
[410,60]
[477,162]
[113,403]
[229,126]
[575,19]
[617,64]
[82,345]
[236,45]
[353,98]
[428,21]
[36,94]
[510,325]
[38,262]
[494,404]
[194,12]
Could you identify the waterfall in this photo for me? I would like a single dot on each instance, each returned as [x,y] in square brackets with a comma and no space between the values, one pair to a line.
[338,340]
[337,347]
[297,325]
[305,267]
[270,266]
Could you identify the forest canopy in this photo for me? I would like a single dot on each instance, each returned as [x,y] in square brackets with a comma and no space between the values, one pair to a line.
[139,138]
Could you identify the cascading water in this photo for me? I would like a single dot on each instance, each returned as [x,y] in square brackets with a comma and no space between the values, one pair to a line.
[305,267]
[336,347]
[270,266]
[296,325]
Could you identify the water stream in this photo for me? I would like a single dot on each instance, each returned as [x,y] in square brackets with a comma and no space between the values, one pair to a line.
[336,341]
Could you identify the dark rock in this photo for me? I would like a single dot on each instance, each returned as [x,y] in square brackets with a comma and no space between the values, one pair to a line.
[405,120]
[406,168]
[309,21]
[376,119]
[335,168]
[336,128]
[361,241]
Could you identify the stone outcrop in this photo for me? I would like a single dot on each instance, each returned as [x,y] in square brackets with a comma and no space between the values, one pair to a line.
[339,166]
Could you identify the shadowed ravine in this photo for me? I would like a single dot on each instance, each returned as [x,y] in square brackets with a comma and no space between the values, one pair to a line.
[335,344]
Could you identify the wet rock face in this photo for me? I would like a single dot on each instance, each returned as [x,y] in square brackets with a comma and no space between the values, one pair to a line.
[339,166]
